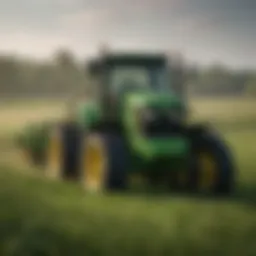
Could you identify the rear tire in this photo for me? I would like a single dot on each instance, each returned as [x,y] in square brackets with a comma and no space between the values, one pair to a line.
[63,152]
[212,169]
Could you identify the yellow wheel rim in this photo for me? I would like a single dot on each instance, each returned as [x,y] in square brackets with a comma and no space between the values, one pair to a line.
[94,163]
[208,171]
[54,156]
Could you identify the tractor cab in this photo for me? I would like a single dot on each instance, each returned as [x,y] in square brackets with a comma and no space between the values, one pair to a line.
[136,73]
[120,75]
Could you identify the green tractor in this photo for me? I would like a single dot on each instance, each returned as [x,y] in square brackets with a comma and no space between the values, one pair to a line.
[135,127]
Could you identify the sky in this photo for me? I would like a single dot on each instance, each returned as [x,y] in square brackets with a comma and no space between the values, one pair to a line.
[204,31]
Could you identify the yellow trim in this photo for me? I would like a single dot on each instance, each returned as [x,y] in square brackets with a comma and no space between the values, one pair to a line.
[94,164]
[207,171]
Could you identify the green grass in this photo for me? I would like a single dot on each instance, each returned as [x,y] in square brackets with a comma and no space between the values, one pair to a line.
[39,217]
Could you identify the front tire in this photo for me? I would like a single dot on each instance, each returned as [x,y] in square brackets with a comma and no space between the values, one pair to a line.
[104,163]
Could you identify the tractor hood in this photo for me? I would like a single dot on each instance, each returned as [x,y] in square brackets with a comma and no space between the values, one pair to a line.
[142,108]
[161,101]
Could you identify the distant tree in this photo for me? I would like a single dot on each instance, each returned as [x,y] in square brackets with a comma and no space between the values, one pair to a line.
[64,59]
[10,81]
[68,73]
[218,80]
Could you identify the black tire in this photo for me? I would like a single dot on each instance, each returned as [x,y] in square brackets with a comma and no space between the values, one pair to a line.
[212,143]
[69,139]
[114,171]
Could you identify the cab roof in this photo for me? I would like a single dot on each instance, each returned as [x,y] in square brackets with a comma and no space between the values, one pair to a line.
[134,58]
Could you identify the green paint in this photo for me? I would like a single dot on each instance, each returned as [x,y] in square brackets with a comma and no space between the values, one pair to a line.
[151,147]
[88,114]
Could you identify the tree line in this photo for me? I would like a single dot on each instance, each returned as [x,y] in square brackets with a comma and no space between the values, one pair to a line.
[58,76]
[218,80]
[63,74]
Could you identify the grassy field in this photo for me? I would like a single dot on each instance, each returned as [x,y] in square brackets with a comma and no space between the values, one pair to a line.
[39,217]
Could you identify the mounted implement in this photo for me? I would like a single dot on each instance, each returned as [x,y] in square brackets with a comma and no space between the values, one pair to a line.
[135,125]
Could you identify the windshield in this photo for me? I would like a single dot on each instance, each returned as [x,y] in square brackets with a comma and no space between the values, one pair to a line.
[138,77]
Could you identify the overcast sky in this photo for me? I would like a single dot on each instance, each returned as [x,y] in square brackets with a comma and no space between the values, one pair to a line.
[204,30]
